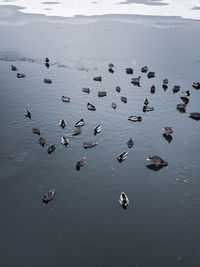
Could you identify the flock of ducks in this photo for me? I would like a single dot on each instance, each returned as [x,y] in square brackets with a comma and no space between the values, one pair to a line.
[156,162]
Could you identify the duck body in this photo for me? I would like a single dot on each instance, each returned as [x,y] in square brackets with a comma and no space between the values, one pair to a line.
[153,89]
[144,69]
[181,107]
[48,81]
[36,131]
[65,99]
[114,105]
[123,200]
[89,144]
[97,129]
[122,156]
[129,70]
[157,161]
[62,123]
[65,141]
[86,90]
[185,99]
[124,99]
[48,196]
[151,74]
[118,89]
[21,75]
[165,81]
[130,143]
[47,60]
[176,88]
[111,65]
[111,70]
[80,123]
[42,141]
[136,80]
[196,85]
[185,93]
[135,118]
[13,68]
[77,131]
[97,79]
[146,102]
[147,108]
[91,107]
[168,130]
[27,113]
[195,115]
[80,163]
[51,149]
[102,93]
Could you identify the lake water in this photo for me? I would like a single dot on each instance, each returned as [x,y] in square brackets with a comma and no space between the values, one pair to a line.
[85,225]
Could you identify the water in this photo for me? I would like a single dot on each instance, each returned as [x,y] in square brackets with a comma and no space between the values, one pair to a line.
[84,225]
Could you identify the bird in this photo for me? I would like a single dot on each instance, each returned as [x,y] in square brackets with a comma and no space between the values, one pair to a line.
[91,107]
[21,75]
[123,200]
[185,93]
[62,123]
[27,113]
[65,141]
[135,118]
[118,89]
[147,108]
[42,141]
[168,130]
[89,144]
[86,90]
[144,69]
[122,156]
[51,149]
[114,105]
[97,129]
[146,102]
[81,162]
[176,88]
[13,68]
[65,98]
[48,81]
[153,89]
[48,196]
[36,131]
[130,143]
[124,99]
[77,131]
[80,123]
[195,115]
[157,161]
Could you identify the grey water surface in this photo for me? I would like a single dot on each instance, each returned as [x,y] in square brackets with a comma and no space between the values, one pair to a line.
[84,225]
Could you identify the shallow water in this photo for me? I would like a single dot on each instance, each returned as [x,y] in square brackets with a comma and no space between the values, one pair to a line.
[84,225]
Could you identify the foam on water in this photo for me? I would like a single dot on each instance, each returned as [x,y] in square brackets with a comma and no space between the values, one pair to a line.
[67,8]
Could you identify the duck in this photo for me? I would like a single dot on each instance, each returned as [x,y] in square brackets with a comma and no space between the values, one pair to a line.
[129,70]
[151,74]
[80,123]
[195,115]
[62,123]
[47,65]
[102,93]
[86,90]
[27,113]
[21,75]
[122,156]
[65,141]
[13,68]
[46,59]
[81,162]
[42,141]
[185,93]
[48,196]
[48,81]
[97,79]
[181,107]
[165,81]
[153,89]
[147,108]
[111,65]
[123,200]
[196,85]
[135,118]
[111,70]
[157,161]
[136,80]
[130,143]
[97,129]
[118,89]
[36,131]
[89,144]
[65,99]
[185,99]
[144,69]
[77,130]
[124,99]
[168,137]
[91,107]
[51,149]
[146,102]
[176,88]
[114,105]
[168,130]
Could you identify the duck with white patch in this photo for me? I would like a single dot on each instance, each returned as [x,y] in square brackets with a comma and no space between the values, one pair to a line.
[97,129]
[80,163]
[135,118]
[13,68]
[65,141]
[65,99]
[51,149]
[21,75]
[91,107]
[80,123]
[122,156]
[36,131]
[62,123]
[123,200]
[27,113]
[130,143]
